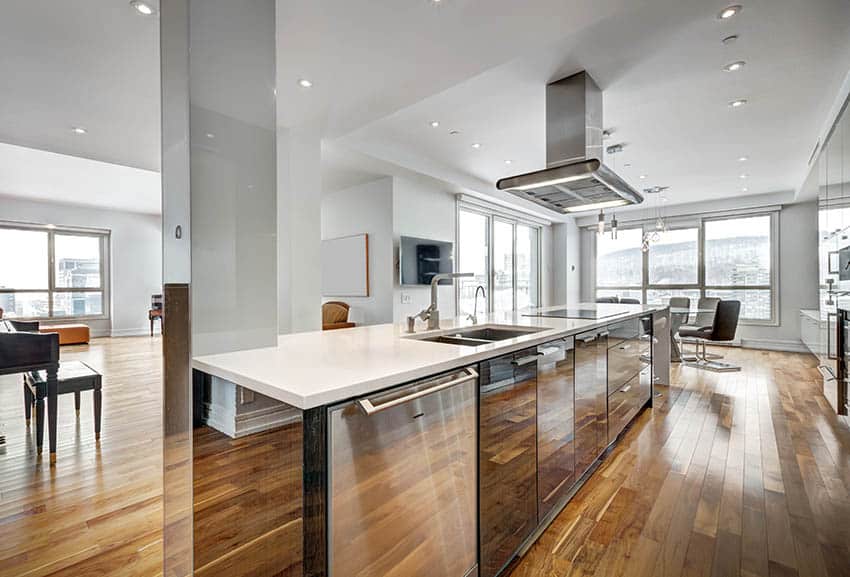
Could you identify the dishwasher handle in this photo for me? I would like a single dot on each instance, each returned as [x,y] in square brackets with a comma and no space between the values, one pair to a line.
[532,358]
[371,409]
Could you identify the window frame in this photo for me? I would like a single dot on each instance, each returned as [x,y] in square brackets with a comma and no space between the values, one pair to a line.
[493,214]
[639,287]
[699,223]
[103,236]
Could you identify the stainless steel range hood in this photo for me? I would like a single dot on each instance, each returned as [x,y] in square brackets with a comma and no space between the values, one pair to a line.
[575,179]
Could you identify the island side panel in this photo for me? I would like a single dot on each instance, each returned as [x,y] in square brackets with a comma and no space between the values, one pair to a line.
[315,475]
[247,496]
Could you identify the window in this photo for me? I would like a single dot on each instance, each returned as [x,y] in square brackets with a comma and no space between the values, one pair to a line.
[738,263]
[474,257]
[504,254]
[527,266]
[674,258]
[503,266]
[619,263]
[52,273]
[730,258]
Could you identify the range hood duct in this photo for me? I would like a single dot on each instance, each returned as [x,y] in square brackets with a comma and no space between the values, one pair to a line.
[574,179]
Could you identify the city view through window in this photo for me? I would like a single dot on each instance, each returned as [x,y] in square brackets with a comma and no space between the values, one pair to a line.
[736,265]
[31,288]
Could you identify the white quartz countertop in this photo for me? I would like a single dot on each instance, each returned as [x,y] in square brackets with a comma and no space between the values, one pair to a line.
[307,370]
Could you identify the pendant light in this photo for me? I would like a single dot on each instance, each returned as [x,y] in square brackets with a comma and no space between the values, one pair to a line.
[614,225]
[600,225]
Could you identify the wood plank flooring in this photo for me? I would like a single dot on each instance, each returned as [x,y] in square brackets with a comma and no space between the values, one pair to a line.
[99,510]
[742,474]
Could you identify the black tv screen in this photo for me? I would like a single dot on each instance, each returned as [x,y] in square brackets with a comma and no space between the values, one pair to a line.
[420,259]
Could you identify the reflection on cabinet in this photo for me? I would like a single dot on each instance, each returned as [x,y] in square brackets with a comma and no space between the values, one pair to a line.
[591,437]
[555,422]
[629,376]
[833,170]
[402,485]
[627,401]
[507,457]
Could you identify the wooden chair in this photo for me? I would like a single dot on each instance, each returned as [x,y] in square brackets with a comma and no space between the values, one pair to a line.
[155,311]
[335,316]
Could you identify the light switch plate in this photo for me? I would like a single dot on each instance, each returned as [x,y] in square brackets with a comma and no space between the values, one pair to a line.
[406,299]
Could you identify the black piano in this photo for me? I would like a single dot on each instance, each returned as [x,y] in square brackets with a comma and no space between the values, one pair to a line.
[24,349]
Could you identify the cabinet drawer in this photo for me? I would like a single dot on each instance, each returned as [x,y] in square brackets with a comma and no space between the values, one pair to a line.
[624,362]
[623,331]
[625,403]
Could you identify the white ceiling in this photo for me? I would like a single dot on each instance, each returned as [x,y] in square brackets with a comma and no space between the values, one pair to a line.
[90,63]
[665,96]
[51,177]
[383,69]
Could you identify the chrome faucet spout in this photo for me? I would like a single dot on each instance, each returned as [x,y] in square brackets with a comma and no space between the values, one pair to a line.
[474,316]
[432,313]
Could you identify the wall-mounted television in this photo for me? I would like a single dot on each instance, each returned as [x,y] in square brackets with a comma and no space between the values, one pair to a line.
[420,259]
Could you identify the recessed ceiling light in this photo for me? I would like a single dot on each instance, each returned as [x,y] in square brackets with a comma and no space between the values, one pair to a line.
[743,158]
[745,189]
[738,103]
[476,145]
[508,161]
[210,135]
[743,176]
[434,124]
[729,40]
[143,7]
[642,177]
[627,165]
[78,130]
[304,83]
[454,132]
[734,66]
[729,12]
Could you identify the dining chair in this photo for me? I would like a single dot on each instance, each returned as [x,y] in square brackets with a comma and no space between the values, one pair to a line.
[706,310]
[723,328]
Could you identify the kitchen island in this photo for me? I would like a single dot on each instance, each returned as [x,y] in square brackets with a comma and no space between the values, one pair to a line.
[442,452]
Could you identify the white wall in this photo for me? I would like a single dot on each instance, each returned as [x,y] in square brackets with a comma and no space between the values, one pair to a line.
[798,274]
[299,238]
[367,208]
[421,209]
[135,256]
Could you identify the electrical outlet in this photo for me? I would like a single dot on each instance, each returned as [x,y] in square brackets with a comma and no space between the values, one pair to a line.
[406,299]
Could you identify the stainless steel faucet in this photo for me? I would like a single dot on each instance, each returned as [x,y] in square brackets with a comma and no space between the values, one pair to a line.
[432,313]
[474,316]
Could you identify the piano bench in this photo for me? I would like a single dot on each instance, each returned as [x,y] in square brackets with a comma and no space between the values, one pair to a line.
[73,377]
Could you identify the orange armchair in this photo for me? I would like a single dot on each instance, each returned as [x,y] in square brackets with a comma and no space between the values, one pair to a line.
[335,316]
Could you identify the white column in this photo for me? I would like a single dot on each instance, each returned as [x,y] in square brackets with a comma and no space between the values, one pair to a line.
[299,230]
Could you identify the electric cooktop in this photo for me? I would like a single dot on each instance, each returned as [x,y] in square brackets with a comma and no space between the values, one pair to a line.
[575,314]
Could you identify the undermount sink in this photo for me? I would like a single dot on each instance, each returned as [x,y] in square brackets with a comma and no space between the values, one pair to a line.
[477,336]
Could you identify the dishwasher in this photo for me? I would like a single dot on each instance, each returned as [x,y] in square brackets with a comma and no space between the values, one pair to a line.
[403,478]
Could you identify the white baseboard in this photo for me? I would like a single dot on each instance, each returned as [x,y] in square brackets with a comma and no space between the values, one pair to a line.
[265,419]
[240,425]
[775,345]
[137,332]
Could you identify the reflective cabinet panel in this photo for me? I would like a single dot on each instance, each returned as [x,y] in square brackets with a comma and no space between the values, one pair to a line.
[555,423]
[508,457]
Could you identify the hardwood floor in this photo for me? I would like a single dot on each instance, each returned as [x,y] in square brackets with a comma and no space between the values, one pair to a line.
[732,474]
[99,510]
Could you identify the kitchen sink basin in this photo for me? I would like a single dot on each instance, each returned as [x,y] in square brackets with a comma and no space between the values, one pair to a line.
[477,336]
